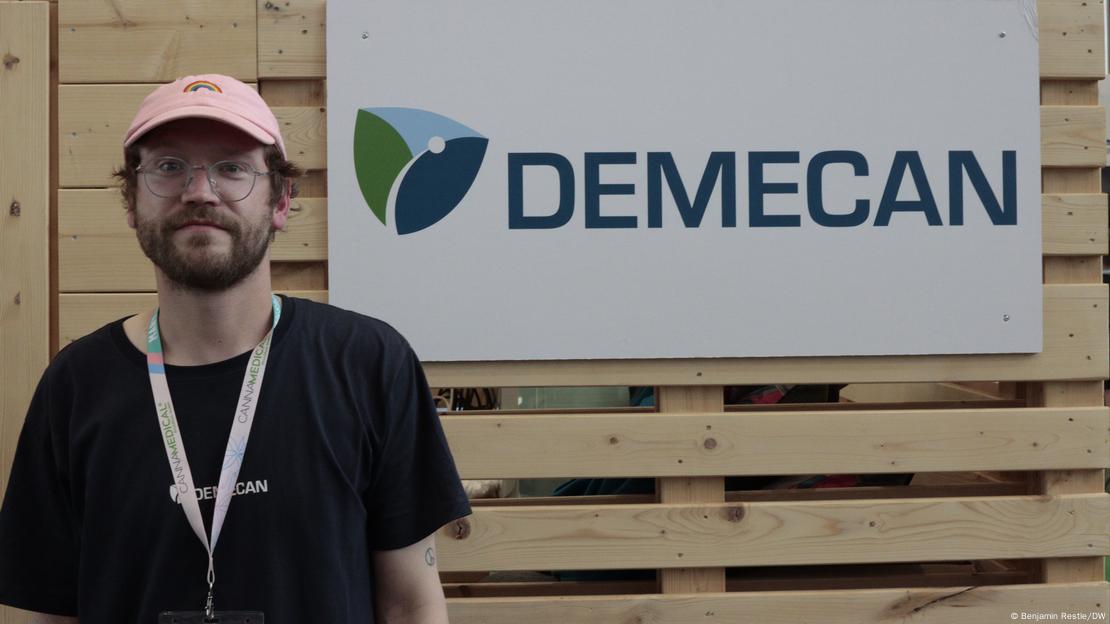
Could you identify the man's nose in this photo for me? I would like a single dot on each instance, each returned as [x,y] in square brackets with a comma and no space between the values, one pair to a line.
[199,189]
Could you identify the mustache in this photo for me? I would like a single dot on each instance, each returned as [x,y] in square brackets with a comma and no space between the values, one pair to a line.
[201,214]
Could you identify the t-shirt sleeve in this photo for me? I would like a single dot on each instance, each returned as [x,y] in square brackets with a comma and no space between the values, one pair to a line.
[415,488]
[38,535]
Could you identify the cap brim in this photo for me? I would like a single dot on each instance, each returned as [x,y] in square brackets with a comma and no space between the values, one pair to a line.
[205,112]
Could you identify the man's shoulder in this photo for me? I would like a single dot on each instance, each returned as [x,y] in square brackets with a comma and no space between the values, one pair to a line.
[88,360]
[93,347]
[335,324]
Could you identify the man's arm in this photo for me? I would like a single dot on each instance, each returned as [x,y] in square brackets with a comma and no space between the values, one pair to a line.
[406,585]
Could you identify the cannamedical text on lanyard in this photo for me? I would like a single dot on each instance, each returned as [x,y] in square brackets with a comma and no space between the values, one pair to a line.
[236,442]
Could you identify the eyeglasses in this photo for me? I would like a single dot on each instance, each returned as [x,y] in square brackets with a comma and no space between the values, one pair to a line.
[231,180]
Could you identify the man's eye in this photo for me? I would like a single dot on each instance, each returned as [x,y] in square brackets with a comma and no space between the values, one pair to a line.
[169,167]
[231,168]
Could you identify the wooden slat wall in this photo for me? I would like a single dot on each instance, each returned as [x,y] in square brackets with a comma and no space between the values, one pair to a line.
[111,54]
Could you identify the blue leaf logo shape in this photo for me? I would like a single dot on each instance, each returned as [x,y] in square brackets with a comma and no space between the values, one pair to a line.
[423,161]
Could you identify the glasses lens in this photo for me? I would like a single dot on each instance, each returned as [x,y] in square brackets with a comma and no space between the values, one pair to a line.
[166,177]
[233,180]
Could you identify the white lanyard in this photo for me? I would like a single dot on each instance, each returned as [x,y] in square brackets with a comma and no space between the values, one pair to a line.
[236,442]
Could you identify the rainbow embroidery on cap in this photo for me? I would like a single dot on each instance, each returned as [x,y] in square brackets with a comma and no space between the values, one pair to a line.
[200,85]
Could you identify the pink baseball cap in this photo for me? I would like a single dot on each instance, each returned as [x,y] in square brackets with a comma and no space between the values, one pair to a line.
[210,96]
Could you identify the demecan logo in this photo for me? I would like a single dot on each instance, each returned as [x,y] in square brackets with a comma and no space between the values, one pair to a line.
[414,164]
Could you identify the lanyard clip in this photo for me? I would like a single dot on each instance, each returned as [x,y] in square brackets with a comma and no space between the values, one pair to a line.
[209,610]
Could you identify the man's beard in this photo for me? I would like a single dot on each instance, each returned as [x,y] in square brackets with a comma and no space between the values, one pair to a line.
[204,269]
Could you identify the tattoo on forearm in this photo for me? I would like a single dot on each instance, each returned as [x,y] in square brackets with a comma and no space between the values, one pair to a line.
[430,557]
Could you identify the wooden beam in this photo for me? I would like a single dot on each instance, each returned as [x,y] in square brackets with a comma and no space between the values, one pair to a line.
[704,444]
[1074,224]
[684,403]
[26,147]
[583,537]
[1073,136]
[1071,38]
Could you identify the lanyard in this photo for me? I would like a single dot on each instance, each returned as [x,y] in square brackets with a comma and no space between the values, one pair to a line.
[236,442]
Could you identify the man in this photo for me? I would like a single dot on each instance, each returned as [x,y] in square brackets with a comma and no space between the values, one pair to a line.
[316,471]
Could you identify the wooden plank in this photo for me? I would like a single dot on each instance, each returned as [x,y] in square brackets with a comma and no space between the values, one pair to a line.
[1073,136]
[24,214]
[1069,92]
[293,92]
[1075,347]
[291,39]
[777,443]
[92,120]
[143,41]
[80,314]
[299,275]
[304,129]
[859,606]
[1071,38]
[26,145]
[1072,270]
[681,405]
[776,533]
[1074,224]
[97,251]
[1071,180]
[909,393]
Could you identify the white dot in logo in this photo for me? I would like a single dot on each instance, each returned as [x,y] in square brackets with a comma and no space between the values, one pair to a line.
[436,144]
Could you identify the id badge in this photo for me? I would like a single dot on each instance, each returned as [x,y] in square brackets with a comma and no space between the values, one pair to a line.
[222,617]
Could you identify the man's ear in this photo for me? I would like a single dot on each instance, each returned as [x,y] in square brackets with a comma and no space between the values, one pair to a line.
[281,208]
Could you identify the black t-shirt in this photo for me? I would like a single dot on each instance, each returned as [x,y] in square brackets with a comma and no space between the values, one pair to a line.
[346,456]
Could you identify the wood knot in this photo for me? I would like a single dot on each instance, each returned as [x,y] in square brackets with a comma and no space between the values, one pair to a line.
[270,6]
[15,209]
[10,61]
[710,443]
[613,440]
[734,514]
[461,528]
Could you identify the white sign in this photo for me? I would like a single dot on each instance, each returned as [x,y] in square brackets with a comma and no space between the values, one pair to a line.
[539,179]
